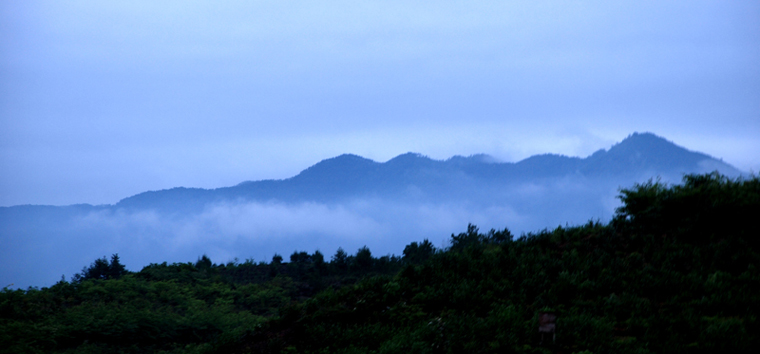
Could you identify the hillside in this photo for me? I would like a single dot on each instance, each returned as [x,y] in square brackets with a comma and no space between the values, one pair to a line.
[675,271]
[347,201]
[351,176]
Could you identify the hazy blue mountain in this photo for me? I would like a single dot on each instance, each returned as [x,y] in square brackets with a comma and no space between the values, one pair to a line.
[351,176]
[346,201]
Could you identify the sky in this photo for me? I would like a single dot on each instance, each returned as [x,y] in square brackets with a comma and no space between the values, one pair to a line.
[103,100]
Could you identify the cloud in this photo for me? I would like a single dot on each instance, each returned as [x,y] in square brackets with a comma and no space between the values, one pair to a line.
[244,229]
[253,229]
[119,98]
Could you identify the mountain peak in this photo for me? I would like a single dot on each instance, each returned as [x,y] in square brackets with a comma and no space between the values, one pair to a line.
[409,160]
[645,140]
[645,152]
[346,163]
[650,144]
[409,156]
[343,160]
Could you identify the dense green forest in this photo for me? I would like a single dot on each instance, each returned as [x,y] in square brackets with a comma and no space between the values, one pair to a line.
[675,271]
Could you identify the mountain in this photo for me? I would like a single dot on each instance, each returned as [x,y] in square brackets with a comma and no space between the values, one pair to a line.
[347,201]
[349,176]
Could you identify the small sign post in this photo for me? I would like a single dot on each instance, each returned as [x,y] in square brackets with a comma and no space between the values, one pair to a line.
[547,325]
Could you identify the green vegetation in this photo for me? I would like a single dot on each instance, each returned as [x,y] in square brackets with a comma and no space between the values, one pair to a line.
[675,271]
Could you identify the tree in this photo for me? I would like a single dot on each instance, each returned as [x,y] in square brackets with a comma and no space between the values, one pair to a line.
[203,263]
[340,259]
[363,258]
[466,239]
[703,208]
[418,253]
[300,257]
[318,258]
[116,269]
[276,259]
[102,269]
[499,237]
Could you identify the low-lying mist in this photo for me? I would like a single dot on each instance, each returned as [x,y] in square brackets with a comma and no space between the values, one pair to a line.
[346,201]
[40,249]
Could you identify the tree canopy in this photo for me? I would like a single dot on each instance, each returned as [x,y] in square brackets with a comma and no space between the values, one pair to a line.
[675,271]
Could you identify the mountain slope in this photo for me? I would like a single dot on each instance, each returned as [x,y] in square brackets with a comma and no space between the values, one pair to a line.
[346,201]
[350,176]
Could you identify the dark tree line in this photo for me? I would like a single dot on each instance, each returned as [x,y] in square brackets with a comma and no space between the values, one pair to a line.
[676,271]
[102,269]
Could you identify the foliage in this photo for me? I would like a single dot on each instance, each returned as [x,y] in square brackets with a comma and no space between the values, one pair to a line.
[418,253]
[180,308]
[102,269]
[675,271]
[703,209]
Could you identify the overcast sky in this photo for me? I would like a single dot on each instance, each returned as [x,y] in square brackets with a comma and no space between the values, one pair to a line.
[100,100]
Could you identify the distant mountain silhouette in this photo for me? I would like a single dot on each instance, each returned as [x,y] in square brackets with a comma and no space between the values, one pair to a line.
[345,201]
[351,176]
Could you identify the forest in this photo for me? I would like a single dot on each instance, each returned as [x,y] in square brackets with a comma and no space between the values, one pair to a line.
[674,271]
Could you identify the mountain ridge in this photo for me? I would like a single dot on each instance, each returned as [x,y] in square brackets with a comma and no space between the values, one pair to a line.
[348,200]
[350,175]
[347,174]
